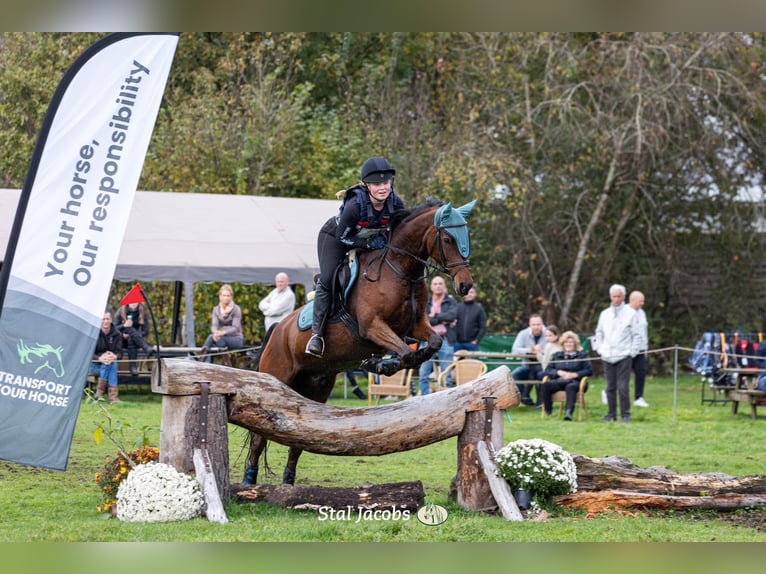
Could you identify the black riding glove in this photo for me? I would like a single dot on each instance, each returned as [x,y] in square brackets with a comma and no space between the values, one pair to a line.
[377,242]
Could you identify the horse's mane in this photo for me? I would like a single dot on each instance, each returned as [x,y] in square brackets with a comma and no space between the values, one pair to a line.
[403,215]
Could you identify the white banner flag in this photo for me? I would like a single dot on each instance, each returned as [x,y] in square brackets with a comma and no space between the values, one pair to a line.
[67,234]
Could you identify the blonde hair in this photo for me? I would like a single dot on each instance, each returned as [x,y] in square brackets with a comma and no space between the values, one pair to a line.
[226,287]
[570,335]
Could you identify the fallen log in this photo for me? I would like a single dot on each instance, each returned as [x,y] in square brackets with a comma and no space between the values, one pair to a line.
[399,496]
[261,403]
[619,473]
[614,482]
[604,500]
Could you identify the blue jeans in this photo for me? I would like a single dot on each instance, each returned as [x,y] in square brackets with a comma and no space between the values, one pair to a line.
[466,346]
[527,373]
[445,356]
[107,372]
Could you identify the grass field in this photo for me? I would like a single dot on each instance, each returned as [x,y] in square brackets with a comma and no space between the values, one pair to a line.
[682,435]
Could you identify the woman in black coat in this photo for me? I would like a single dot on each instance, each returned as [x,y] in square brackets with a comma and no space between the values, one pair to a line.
[565,371]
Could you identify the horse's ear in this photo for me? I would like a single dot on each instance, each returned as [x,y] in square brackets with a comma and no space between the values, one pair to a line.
[442,214]
[466,209]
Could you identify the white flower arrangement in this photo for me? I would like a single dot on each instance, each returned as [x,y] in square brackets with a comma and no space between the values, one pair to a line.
[157,492]
[537,465]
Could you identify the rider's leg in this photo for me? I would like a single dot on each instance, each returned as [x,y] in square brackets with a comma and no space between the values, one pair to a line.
[322,300]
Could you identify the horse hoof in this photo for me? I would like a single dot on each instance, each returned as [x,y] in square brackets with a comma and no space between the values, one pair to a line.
[390,367]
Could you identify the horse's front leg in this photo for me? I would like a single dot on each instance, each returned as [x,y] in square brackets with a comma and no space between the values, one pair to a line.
[380,333]
[424,332]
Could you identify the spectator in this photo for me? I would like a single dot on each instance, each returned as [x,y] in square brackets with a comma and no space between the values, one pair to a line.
[551,347]
[226,324]
[617,341]
[565,371]
[529,343]
[639,365]
[132,322]
[351,376]
[104,361]
[442,313]
[279,303]
[471,323]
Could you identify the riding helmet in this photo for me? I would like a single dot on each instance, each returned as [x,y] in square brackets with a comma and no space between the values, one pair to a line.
[376,170]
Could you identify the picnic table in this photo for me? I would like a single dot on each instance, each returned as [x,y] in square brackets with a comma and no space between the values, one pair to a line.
[745,389]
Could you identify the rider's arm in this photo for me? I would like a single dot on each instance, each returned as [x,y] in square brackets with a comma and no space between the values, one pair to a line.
[346,230]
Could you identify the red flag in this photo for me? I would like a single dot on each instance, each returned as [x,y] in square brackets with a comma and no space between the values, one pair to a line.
[135,295]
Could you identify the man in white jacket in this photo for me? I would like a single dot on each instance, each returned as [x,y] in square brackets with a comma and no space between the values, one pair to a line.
[617,341]
[279,303]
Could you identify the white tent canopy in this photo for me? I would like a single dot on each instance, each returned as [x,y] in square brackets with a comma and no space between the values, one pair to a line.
[192,237]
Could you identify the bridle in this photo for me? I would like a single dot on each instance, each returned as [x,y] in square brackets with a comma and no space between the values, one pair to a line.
[443,266]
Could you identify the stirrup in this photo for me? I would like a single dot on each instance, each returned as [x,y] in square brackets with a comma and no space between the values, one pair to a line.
[315,346]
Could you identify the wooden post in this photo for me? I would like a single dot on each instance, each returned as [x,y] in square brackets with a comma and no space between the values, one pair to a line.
[180,435]
[470,486]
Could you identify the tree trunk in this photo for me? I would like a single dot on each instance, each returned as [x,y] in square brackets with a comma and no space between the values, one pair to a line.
[614,499]
[618,473]
[615,482]
[399,496]
[263,404]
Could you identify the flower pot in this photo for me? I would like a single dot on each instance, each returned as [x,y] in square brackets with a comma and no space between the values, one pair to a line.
[523,498]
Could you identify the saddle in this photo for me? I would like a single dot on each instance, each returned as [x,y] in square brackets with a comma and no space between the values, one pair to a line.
[345,277]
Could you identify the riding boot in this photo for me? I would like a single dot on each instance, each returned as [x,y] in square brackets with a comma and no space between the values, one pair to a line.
[133,368]
[100,389]
[114,395]
[358,392]
[322,301]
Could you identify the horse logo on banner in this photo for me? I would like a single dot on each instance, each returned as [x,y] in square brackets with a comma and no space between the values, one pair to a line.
[48,354]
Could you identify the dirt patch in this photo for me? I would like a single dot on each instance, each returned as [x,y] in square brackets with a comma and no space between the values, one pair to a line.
[749,518]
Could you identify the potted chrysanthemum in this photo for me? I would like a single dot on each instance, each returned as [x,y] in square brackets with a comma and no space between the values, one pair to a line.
[537,466]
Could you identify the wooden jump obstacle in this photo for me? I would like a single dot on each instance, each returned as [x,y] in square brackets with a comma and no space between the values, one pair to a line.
[199,399]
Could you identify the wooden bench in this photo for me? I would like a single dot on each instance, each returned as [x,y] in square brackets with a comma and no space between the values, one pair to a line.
[143,378]
[745,389]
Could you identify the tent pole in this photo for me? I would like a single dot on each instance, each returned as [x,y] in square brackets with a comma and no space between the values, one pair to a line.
[176,313]
[189,319]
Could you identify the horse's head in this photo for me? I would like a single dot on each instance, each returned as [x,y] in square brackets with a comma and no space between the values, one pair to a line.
[453,244]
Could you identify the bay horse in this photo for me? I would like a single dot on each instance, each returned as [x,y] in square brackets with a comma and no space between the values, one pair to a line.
[388,303]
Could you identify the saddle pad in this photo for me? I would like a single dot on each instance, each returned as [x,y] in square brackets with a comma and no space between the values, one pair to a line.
[305,317]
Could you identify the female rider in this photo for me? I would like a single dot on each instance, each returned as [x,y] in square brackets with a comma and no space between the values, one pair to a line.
[362,223]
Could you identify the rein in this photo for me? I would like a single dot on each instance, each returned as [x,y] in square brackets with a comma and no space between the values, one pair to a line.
[426,263]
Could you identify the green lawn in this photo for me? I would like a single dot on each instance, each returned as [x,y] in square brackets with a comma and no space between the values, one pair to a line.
[43,505]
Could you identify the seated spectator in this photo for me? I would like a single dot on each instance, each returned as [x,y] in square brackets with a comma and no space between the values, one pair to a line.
[528,344]
[566,369]
[226,324]
[132,322]
[551,347]
[104,361]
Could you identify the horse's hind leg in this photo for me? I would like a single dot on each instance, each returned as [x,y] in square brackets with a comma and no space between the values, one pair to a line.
[293,454]
[257,444]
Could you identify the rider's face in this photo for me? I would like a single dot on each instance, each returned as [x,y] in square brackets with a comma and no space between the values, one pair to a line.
[380,191]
